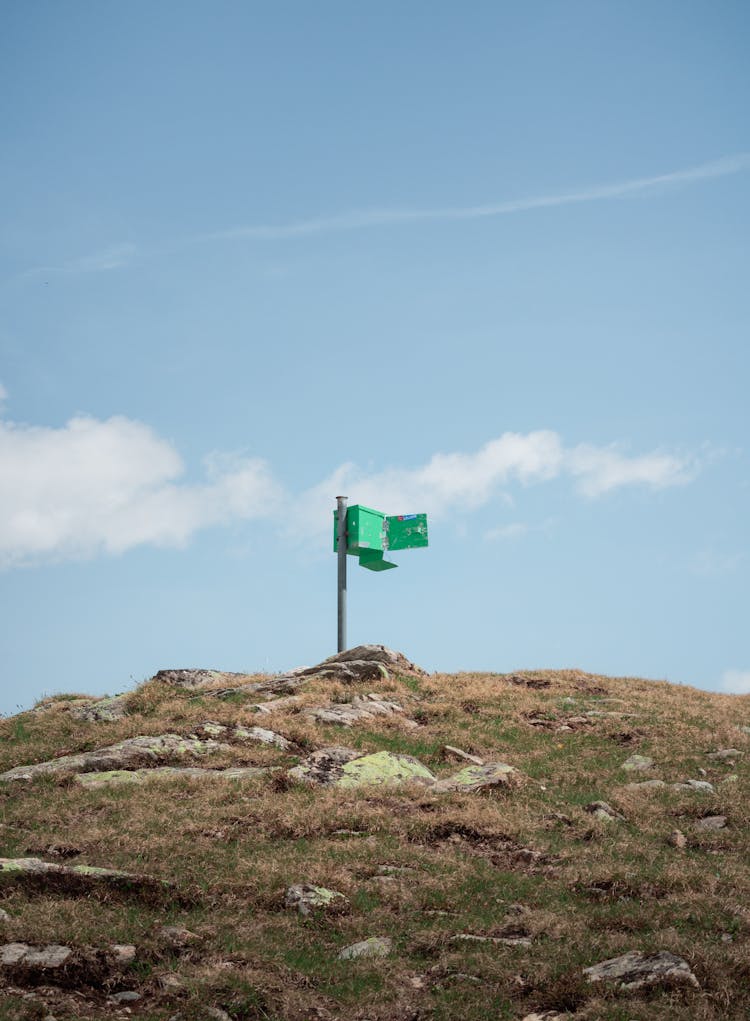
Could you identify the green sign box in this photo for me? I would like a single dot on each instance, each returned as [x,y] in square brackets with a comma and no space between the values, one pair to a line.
[370,533]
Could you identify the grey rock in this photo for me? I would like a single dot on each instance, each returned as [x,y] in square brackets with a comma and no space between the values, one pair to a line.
[171,983]
[123,953]
[192,679]
[375,946]
[261,735]
[712,822]
[352,672]
[745,730]
[126,996]
[636,763]
[392,660]
[4,916]
[359,710]
[635,970]
[694,785]
[506,941]
[275,705]
[306,898]
[460,754]
[26,964]
[177,936]
[725,754]
[644,785]
[472,779]
[604,811]
[131,753]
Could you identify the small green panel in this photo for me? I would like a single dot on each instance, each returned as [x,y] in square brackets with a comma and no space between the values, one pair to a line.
[373,560]
[405,531]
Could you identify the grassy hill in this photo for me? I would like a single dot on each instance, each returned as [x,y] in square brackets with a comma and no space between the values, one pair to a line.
[494,896]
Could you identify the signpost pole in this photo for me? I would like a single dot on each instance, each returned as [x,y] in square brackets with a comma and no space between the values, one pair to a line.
[342,543]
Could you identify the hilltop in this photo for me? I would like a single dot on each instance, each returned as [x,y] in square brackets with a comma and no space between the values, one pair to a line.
[361,840]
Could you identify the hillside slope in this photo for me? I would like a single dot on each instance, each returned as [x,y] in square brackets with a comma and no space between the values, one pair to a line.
[603,816]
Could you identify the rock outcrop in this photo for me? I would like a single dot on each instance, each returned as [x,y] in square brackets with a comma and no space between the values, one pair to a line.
[347,768]
[33,873]
[635,970]
[306,898]
[131,753]
[359,710]
[116,777]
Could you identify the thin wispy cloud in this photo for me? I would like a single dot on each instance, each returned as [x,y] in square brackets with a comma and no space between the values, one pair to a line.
[358,219]
[102,261]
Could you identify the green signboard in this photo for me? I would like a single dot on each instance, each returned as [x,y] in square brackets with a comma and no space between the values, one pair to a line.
[369,533]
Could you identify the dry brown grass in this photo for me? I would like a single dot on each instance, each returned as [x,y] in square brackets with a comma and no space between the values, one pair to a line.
[527,860]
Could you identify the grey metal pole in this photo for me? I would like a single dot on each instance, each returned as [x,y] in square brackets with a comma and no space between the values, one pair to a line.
[341,537]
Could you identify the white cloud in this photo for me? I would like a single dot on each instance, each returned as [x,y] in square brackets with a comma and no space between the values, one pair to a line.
[94,486]
[466,481]
[3,396]
[736,682]
[601,469]
[358,219]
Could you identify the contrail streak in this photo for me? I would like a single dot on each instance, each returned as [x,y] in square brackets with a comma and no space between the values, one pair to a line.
[380,217]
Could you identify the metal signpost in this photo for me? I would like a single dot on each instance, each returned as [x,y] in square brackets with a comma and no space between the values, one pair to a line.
[366,533]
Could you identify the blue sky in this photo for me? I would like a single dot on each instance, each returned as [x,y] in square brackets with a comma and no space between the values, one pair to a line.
[483,261]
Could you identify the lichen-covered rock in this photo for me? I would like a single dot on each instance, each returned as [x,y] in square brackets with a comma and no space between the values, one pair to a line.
[363,663]
[375,946]
[345,767]
[74,879]
[358,710]
[240,733]
[134,752]
[694,785]
[102,710]
[323,767]
[263,736]
[115,777]
[306,898]
[193,679]
[477,778]
[635,970]
[603,811]
[636,763]
[383,768]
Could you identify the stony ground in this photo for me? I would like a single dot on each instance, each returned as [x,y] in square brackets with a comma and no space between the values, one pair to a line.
[363,841]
